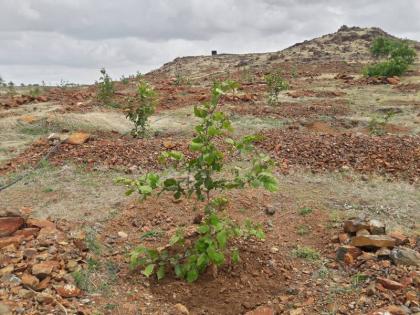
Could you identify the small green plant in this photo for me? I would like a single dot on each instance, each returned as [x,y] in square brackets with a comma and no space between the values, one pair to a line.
[275,84]
[35,92]
[358,279]
[124,80]
[202,176]
[377,124]
[106,88]
[11,90]
[141,107]
[398,56]
[305,211]
[294,71]
[151,234]
[303,230]
[307,253]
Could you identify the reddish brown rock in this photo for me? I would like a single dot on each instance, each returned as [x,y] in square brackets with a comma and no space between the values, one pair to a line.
[40,223]
[262,310]
[15,240]
[30,280]
[343,238]
[78,138]
[354,225]
[389,284]
[28,232]
[393,80]
[353,251]
[399,238]
[9,225]
[68,291]
[44,269]
[373,241]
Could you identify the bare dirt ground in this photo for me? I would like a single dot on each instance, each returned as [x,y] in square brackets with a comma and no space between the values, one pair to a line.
[327,162]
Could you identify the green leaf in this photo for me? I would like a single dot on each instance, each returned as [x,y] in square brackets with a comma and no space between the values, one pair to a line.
[192,275]
[202,261]
[194,146]
[161,272]
[235,256]
[199,112]
[179,271]
[215,256]
[170,182]
[148,270]
[203,229]
[222,238]
[145,189]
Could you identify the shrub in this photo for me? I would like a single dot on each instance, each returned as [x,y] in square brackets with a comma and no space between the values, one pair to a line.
[377,125]
[141,107]
[387,68]
[399,56]
[105,88]
[307,253]
[275,84]
[202,175]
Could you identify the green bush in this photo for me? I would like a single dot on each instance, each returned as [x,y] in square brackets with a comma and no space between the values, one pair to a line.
[106,88]
[203,175]
[387,68]
[275,84]
[141,107]
[399,55]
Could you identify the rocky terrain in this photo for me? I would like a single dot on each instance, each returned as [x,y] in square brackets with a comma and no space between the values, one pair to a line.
[342,232]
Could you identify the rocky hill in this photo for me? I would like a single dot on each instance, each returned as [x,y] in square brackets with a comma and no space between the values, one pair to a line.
[350,44]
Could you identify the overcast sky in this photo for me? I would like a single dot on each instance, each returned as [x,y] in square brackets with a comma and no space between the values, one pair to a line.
[72,39]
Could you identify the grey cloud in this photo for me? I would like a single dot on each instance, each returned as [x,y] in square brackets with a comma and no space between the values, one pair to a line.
[74,38]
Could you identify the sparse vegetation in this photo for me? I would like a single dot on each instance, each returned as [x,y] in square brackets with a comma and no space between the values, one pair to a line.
[398,54]
[307,253]
[275,84]
[198,176]
[141,107]
[305,211]
[106,88]
[377,124]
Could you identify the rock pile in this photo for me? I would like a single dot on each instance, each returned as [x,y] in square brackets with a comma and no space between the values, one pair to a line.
[36,261]
[390,260]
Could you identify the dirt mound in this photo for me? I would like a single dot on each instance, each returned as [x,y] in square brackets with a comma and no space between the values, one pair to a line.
[293,110]
[107,151]
[392,155]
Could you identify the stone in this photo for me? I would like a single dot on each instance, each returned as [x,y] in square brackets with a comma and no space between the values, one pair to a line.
[72,265]
[389,284]
[274,250]
[376,227]
[411,296]
[44,298]
[270,210]
[30,280]
[10,225]
[344,238]
[362,232]
[15,240]
[353,251]
[180,309]
[40,223]
[78,138]
[393,80]
[399,237]
[383,253]
[28,119]
[68,291]
[29,252]
[371,289]
[261,310]
[122,234]
[28,232]
[373,241]
[405,256]
[7,270]
[355,224]
[25,294]
[398,310]
[44,269]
